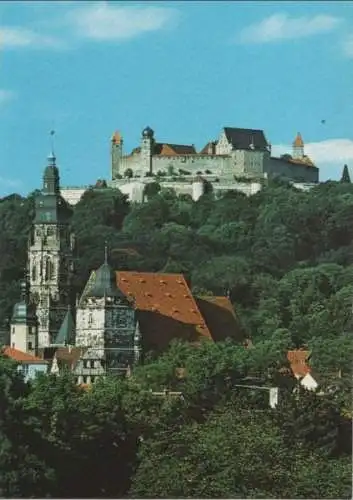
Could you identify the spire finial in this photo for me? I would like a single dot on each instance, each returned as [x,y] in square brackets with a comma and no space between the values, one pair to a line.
[51,157]
[105,252]
[52,132]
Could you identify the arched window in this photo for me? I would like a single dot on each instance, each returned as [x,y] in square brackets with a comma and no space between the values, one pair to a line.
[49,269]
[34,272]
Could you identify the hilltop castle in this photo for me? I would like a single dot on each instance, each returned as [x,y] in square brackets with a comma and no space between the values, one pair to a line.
[239,160]
[238,152]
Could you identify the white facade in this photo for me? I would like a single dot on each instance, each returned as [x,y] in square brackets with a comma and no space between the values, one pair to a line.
[73,195]
[309,383]
[23,338]
[90,325]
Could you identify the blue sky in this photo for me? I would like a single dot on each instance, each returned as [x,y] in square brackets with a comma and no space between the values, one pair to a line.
[186,69]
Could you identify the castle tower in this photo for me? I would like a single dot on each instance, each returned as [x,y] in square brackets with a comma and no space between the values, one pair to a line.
[147,146]
[50,261]
[24,324]
[116,155]
[298,147]
[106,321]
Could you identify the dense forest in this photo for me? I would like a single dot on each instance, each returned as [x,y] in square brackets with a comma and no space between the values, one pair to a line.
[286,259]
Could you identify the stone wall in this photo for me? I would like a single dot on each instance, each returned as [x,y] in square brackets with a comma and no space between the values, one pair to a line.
[291,171]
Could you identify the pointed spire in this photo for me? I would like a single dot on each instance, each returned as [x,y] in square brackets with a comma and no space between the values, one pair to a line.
[298,141]
[51,157]
[105,252]
[345,175]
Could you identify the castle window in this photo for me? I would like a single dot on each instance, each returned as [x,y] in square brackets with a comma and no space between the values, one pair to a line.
[30,347]
[34,273]
[90,319]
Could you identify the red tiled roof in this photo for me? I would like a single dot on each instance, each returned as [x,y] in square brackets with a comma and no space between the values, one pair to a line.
[166,149]
[21,357]
[205,150]
[298,362]
[220,317]
[69,356]
[299,369]
[166,307]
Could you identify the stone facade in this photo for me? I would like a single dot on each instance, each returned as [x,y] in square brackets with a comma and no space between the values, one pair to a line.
[106,322]
[50,259]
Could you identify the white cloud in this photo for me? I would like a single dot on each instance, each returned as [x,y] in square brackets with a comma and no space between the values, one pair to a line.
[329,151]
[329,155]
[5,96]
[282,27]
[100,21]
[347,46]
[17,37]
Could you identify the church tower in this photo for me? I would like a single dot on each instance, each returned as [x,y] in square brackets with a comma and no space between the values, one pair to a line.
[116,155]
[24,324]
[147,146]
[50,260]
[298,147]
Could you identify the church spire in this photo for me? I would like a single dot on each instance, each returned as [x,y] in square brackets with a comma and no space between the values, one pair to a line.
[105,252]
[51,180]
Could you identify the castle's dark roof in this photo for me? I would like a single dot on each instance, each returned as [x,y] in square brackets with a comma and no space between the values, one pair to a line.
[241,138]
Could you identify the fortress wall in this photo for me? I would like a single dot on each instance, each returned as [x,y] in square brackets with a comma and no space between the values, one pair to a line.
[294,172]
[190,163]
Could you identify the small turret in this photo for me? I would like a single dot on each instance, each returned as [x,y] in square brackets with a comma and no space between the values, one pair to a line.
[148,132]
[147,147]
[298,147]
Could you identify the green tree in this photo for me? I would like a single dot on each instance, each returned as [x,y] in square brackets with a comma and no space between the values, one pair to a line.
[24,468]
